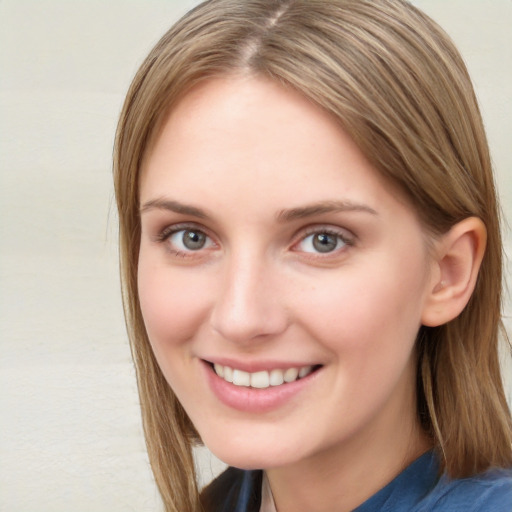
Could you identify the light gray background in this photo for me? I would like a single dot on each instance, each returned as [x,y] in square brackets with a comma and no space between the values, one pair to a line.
[70,434]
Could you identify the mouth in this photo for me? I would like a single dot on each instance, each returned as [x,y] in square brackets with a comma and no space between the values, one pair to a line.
[262,379]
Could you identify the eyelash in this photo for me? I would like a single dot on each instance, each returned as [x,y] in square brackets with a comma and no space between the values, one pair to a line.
[165,235]
[347,241]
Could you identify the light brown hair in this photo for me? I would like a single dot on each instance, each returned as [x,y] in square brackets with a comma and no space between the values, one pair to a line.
[397,85]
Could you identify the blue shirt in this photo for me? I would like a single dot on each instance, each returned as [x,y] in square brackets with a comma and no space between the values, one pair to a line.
[417,489]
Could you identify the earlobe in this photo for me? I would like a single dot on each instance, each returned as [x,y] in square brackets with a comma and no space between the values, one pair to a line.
[458,258]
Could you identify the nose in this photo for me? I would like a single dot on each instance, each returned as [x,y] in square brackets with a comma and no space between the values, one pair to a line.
[249,302]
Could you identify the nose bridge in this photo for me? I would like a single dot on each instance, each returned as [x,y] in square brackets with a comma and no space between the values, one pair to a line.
[248,303]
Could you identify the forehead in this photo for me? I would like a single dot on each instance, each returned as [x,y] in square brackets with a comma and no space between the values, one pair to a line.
[241,138]
[231,115]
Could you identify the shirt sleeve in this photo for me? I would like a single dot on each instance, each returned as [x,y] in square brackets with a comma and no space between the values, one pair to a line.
[491,492]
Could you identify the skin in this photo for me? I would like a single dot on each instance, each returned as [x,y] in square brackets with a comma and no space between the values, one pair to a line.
[241,151]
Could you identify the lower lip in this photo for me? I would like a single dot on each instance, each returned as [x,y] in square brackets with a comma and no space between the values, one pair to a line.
[254,400]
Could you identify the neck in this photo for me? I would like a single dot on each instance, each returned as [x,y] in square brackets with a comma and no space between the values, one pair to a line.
[350,473]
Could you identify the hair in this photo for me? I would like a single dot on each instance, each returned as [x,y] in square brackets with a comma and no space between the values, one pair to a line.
[395,82]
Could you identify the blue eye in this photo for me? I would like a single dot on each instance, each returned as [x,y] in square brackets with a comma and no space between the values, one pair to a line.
[186,240]
[322,242]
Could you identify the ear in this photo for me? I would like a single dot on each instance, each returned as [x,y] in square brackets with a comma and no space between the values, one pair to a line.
[459,253]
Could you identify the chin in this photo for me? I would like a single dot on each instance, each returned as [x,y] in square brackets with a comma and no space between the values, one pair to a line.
[248,460]
[250,454]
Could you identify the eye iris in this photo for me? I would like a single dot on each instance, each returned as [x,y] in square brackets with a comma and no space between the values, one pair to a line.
[194,240]
[324,242]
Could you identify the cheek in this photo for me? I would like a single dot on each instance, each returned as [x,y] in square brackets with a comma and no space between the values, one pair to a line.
[373,308]
[171,302]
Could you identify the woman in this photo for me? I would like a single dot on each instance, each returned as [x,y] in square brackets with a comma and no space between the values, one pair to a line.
[311,261]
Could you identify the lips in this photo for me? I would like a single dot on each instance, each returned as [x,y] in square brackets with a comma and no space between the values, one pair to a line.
[257,390]
[262,379]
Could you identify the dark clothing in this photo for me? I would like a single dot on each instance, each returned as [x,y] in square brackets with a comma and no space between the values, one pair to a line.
[417,489]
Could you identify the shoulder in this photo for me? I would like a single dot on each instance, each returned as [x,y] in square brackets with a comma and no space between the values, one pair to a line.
[489,491]
[234,490]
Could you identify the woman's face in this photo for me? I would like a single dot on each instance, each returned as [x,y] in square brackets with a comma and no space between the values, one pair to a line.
[282,281]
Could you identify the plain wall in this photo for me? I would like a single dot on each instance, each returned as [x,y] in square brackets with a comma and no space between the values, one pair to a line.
[70,433]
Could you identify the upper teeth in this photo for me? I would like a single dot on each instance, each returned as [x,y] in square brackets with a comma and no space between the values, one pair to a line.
[262,379]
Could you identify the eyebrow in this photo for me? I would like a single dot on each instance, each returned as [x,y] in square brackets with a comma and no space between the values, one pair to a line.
[287,215]
[173,206]
[321,208]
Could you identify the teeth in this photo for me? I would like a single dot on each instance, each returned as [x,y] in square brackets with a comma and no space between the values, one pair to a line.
[219,370]
[228,374]
[276,377]
[291,374]
[241,378]
[262,379]
[306,370]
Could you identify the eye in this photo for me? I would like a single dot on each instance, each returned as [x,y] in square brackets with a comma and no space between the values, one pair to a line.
[187,240]
[322,242]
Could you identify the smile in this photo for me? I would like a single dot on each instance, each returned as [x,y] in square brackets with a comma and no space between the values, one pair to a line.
[262,379]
